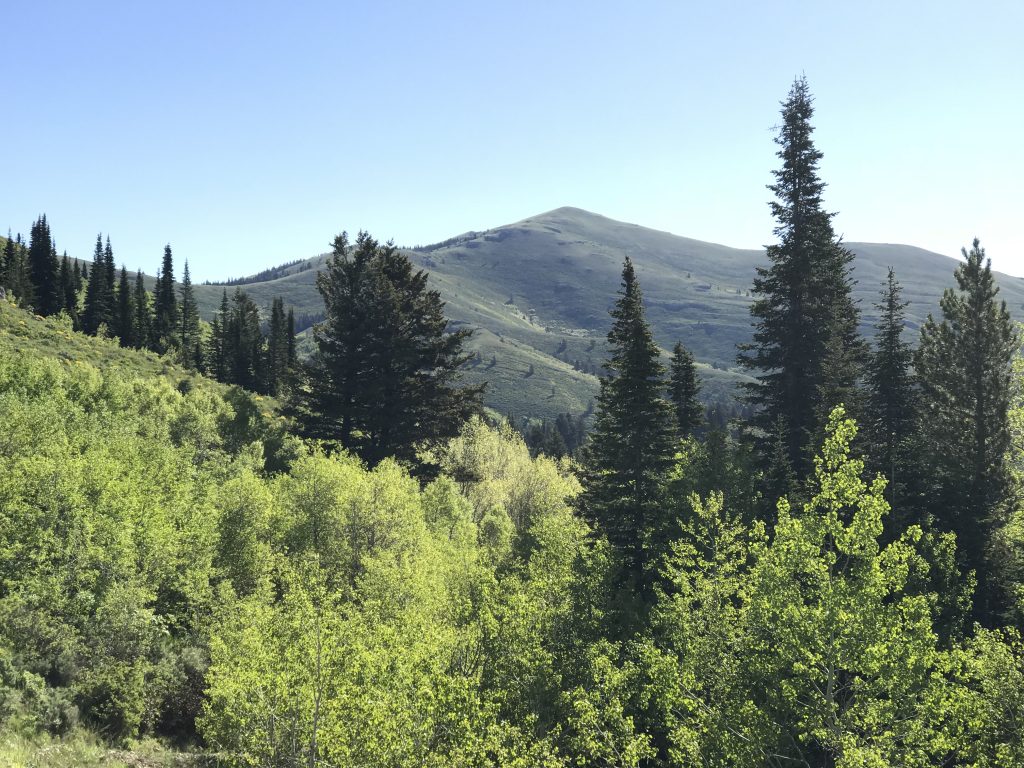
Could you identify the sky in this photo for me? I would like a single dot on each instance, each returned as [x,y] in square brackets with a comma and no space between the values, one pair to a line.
[246,134]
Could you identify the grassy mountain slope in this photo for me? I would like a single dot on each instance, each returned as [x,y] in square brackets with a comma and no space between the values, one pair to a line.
[539,291]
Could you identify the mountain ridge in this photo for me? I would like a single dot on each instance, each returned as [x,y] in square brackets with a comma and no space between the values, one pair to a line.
[538,293]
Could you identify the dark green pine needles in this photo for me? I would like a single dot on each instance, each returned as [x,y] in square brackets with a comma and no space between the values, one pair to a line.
[631,446]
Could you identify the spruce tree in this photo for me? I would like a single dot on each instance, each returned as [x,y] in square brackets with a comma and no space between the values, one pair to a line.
[142,327]
[217,357]
[6,258]
[683,389]
[277,348]
[290,339]
[631,447]
[165,306]
[891,419]
[244,344]
[188,338]
[805,352]
[126,313]
[46,298]
[97,305]
[963,364]
[16,277]
[109,297]
[68,292]
[384,377]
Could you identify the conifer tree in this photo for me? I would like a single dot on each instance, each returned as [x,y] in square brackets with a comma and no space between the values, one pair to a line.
[244,343]
[384,378]
[79,281]
[142,327]
[218,361]
[126,313]
[68,293]
[97,304]
[290,339]
[165,306]
[277,348]
[683,389]
[188,339]
[891,422]
[805,352]
[15,277]
[963,365]
[6,258]
[46,298]
[109,290]
[631,447]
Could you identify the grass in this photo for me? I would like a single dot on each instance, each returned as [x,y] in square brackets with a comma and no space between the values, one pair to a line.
[53,337]
[82,749]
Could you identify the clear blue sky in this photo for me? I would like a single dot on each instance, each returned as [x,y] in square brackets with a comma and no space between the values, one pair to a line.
[247,133]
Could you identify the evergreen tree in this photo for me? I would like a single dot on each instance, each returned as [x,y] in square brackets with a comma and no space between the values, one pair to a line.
[891,423]
[126,312]
[683,388]
[142,327]
[7,260]
[15,276]
[79,280]
[46,297]
[244,343]
[165,306]
[805,352]
[97,302]
[68,293]
[217,357]
[188,339]
[631,447]
[290,339]
[277,348]
[384,376]
[964,366]
[109,290]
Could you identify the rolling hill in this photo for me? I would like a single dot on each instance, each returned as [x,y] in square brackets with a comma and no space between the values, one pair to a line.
[538,292]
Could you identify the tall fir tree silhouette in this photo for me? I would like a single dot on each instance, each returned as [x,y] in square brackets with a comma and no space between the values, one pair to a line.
[631,447]
[805,354]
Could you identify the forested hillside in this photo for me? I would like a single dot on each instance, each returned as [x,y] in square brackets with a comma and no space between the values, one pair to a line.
[216,552]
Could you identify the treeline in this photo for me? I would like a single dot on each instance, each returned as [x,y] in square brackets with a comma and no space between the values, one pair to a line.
[237,347]
[267,274]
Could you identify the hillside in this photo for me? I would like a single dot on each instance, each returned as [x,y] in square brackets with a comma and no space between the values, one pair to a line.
[539,292]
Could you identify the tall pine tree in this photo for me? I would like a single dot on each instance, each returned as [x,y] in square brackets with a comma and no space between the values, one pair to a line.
[126,311]
[189,340]
[46,298]
[98,305]
[683,389]
[964,367]
[165,306]
[277,348]
[69,293]
[631,447]
[384,377]
[805,353]
[891,419]
[142,327]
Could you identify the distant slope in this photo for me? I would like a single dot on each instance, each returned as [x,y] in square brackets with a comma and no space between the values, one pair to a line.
[539,291]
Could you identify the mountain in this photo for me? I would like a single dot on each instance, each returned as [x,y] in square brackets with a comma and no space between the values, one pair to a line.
[538,292]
